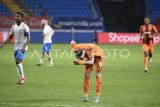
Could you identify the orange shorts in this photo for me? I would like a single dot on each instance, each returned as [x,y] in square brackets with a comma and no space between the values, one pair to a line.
[148,47]
[98,65]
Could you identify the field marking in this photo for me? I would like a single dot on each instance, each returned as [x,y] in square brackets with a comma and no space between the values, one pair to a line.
[50,104]
[36,104]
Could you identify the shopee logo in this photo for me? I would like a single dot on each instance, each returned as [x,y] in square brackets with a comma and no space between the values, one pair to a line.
[124,37]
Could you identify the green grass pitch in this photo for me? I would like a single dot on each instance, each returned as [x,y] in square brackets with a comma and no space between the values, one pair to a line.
[124,82]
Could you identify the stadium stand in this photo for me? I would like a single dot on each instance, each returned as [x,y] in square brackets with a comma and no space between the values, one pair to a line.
[12,6]
[82,14]
[63,8]
[4,10]
[152,9]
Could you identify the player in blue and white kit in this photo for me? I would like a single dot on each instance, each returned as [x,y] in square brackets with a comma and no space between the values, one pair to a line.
[47,42]
[21,33]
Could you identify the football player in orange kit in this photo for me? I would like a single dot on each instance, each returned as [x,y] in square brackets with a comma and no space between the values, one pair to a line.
[89,55]
[148,31]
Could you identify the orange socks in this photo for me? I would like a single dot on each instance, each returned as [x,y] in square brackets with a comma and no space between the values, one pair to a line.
[145,63]
[98,86]
[86,86]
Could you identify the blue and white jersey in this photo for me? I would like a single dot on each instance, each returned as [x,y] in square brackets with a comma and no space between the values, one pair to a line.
[19,32]
[47,33]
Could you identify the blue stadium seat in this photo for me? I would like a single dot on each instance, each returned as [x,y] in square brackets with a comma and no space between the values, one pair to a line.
[4,10]
[66,8]
[152,9]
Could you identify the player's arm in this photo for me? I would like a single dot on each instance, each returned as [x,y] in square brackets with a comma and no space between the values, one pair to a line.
[141,32]
[52,32]
[27,35]
[155,31]
[45,31]
[43,37]
[8,40]
[88,62]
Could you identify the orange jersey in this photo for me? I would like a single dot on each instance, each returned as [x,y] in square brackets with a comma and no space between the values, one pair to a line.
[147,32]
[92,50]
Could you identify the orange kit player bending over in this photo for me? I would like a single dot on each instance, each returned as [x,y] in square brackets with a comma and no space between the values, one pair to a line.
[89,55]
[148,31]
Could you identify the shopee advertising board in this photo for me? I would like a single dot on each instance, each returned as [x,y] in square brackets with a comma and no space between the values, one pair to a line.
[122,38]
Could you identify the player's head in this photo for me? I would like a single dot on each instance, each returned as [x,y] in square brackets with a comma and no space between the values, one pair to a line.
[73,43]
[19,17]
[79,54]
[44,22]
[146,20]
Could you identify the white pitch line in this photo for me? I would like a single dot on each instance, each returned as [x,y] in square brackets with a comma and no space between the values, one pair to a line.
[36,104]
[49,104]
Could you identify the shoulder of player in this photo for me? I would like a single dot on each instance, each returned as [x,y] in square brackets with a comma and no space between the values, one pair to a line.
[87,46]
[153,25]
[142,26]
[48,27]
[13,25]
[24,24]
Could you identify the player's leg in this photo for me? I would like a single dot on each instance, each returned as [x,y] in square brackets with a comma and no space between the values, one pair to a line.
[88,69]
[42,55]
[98,65]
[50,59]
[49,54]
[151,47]
[18,72]
[18,59]
[146,56]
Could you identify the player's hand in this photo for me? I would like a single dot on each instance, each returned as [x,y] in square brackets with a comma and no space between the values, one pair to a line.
[141,38]
[22,50]
[155,35]
[76,62]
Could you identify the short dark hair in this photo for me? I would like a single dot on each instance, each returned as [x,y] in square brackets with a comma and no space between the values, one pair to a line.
[21,14]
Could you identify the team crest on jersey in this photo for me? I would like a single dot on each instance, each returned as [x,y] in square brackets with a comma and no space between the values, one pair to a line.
[21,30]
